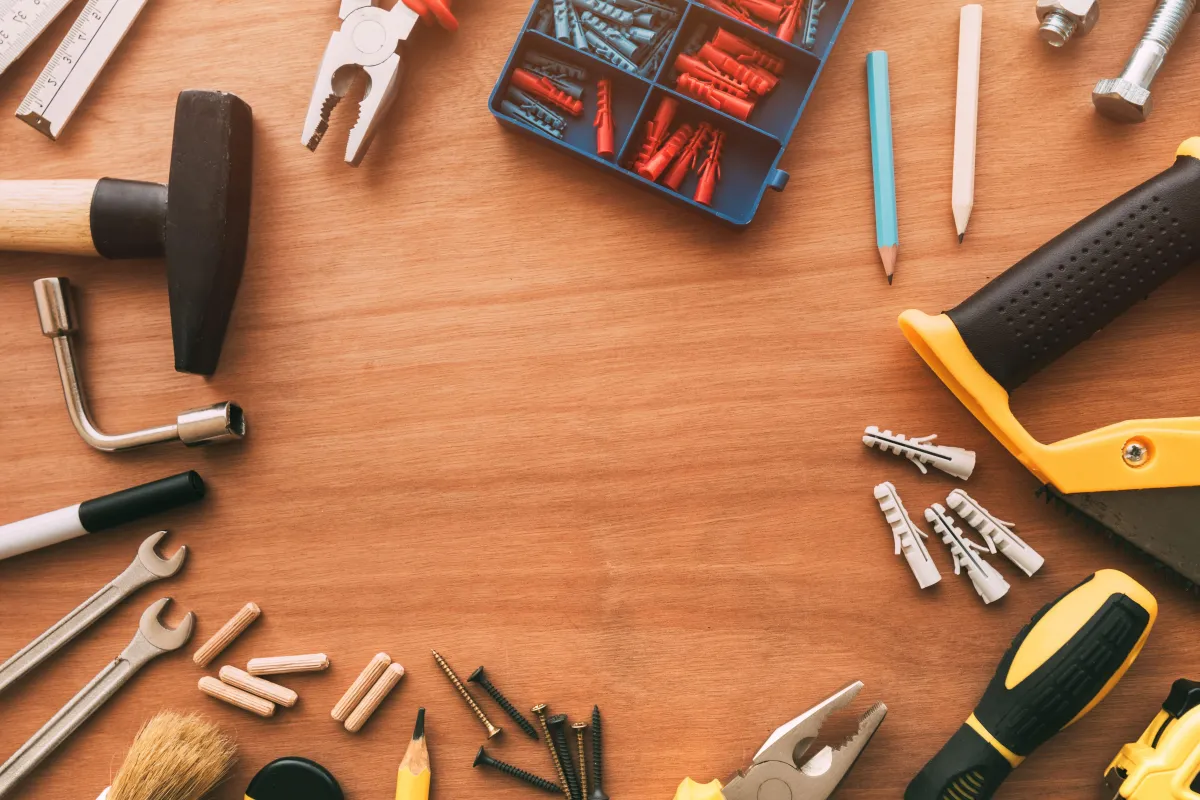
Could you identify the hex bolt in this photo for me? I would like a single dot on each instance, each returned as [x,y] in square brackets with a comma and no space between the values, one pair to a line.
[1062,19]
[462,690]
[540,712]
[508,769]
[579,728]
[1127,98]
[597,756]
[478,677]
[558,732]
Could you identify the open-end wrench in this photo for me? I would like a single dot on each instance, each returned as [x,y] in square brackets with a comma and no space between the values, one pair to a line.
[148,567]
[152,640]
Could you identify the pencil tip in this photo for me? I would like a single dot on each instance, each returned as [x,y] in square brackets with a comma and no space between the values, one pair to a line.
[890,279]
[419,730]
[960,237]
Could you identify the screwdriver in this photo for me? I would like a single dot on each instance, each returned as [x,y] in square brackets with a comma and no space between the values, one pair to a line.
[1064,662]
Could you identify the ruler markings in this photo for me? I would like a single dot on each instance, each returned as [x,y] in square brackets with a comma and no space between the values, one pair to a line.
[22,21]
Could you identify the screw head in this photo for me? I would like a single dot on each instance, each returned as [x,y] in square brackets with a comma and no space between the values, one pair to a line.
[481,757]
[1136,453]
[1121,100]
[539,709]
[476,676]
[580,726]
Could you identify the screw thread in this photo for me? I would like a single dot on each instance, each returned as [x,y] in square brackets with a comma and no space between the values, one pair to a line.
[462,690]
[1057,29]
[562,776]
[520,774]
[597,754]
[563,749]
[1168,20]
[509,708]
[582,763]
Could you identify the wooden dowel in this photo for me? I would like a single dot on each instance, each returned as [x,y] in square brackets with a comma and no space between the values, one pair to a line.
[225,636]
[382,688]
[280,695]
[236,697]
[362,684]
[47,217]
[279,665]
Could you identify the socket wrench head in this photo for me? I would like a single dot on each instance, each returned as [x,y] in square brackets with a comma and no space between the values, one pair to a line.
[1062,19]
[53,297]
[1119,99]
[223,422]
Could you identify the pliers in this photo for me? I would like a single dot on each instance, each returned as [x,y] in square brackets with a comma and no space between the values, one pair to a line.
[774,773]
[369,39]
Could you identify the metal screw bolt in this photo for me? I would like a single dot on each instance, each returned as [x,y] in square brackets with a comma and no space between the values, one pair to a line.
[579,728]
[597,756]
[487,723]
[540,712]
[1063,19]
[508,769]
[1127,98]
[478,677]
[1135,453]
[558,731]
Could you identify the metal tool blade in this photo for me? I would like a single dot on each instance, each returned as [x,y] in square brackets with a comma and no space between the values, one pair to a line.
[77,63]
[1162,523]
[21,22]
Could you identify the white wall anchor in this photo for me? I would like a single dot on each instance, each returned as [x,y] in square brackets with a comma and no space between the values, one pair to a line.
[950,460]
[998,534]
[907,535]
[988,582]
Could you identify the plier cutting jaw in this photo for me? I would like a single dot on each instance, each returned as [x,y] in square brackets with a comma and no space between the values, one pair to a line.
[368,40]
[774,773]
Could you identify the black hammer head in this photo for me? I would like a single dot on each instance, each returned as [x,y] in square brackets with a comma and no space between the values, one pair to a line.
[208,217]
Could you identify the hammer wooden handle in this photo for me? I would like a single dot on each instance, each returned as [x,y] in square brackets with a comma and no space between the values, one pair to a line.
[47,216]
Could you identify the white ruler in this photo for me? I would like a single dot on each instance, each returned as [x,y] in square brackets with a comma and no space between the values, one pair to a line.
[77,62]
[22,21]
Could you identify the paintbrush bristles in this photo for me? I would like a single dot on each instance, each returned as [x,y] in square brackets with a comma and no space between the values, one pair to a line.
[174,757]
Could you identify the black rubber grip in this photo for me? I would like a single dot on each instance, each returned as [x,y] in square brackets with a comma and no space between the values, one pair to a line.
[132,504]
[1079,281]
[1024,717]
[966,768]
[293,778]
[128,218]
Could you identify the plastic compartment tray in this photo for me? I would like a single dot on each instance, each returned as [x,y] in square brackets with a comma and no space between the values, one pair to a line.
[750,162]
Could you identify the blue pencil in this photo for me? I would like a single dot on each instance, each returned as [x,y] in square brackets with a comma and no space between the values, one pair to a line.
[883,164]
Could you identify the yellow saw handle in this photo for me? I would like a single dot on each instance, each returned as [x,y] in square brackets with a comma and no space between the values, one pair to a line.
[1064,662]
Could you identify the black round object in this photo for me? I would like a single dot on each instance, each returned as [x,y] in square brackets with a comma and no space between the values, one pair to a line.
[294,778]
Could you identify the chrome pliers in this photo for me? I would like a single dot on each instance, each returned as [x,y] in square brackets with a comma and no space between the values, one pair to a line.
[369,40]
[774,772]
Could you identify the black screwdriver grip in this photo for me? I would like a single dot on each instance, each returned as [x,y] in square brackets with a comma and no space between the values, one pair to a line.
[1082,279]
[966,768]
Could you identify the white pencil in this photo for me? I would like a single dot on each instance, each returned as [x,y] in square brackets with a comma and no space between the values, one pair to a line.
[966,115]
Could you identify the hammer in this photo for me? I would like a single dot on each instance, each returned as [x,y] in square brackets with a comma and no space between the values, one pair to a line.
[198,221]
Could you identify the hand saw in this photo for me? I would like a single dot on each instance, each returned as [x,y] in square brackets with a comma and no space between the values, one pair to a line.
[1139,479]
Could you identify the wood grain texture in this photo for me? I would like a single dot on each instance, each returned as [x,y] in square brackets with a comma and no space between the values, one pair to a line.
[47,216]
[510,408]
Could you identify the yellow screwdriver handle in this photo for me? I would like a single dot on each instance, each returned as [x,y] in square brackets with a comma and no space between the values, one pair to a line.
[1064,662]
[690,790]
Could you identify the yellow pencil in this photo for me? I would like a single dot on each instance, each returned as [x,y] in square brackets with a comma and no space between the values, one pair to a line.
[412,781]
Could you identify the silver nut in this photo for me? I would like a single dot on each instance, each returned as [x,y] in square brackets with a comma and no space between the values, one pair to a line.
[1121,100]
[1062,19]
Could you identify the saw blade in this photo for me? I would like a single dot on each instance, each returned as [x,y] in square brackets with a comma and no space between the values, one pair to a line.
[1162,523]
[22,21]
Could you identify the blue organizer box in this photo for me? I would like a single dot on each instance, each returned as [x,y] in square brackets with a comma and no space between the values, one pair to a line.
[750,161]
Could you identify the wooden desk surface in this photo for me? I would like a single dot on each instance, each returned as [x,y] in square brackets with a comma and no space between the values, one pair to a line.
[505,406]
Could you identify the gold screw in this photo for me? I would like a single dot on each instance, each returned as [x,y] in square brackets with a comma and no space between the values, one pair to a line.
[540,711]
[579,728]
[487,723]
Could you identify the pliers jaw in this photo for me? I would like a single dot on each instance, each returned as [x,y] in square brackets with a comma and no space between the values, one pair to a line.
[774,772]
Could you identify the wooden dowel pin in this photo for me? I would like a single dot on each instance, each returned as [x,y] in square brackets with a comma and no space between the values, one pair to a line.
[224,637]
[280,695]
[362,684]
[281,665]
[382,688]
[236,697]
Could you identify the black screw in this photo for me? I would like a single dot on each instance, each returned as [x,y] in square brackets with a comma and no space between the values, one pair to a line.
[508,769]
[558,732]
[478,677]
[597,756]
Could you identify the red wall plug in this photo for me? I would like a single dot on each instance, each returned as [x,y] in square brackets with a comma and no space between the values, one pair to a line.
[656,131]
[697,89]
[743,51]
[737,12]
[687,157]
[431,10]
[698,69]
[791,18]
[757,79]
[604,120]
[543,87]
[771,12]
[710,170]
[663,158]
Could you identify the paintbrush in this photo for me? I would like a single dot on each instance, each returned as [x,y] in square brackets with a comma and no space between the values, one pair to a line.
[173,757]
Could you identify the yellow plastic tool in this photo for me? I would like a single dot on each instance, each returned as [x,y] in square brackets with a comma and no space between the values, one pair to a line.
[1164,764]
[1064,662]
